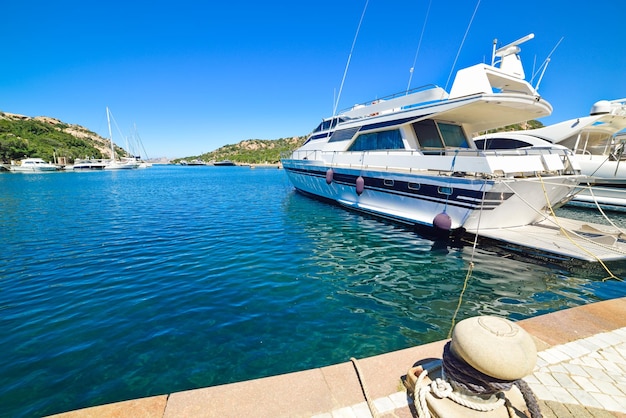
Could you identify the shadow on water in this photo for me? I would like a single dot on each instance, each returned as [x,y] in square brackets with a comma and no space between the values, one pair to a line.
[442,241]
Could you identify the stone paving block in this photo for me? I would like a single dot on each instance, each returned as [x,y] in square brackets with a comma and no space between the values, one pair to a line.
[553,356]
[562,395]
[599,373]
[600,340]
[611,403]
[585,398]
[565,380]
[608,388]
[574,349]
[361,410]
[588,345]
[542,392]
[613,355]
[400,399]
[590,362]
[574,369]
[585,383]
[384,405]
[546,379]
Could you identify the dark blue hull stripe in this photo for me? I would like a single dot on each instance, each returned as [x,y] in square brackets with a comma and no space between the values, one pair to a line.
[462,198]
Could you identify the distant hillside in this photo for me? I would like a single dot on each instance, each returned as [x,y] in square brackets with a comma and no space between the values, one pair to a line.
[251,151]
[47,138]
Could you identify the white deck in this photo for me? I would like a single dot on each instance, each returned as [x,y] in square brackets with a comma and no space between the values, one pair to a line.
[564,237]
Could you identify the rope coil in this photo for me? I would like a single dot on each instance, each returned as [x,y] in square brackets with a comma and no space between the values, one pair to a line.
[459,378]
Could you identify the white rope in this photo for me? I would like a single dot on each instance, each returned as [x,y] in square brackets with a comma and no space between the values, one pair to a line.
[442,389]
[602,212]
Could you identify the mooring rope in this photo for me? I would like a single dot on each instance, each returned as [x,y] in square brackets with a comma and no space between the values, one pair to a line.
[554,219]
[458,374]
[565,232]
[370,404]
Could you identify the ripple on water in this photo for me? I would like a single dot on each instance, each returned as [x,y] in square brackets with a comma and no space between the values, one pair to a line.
[126,285]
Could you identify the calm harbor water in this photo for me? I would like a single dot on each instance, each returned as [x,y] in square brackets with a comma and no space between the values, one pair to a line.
[119,285]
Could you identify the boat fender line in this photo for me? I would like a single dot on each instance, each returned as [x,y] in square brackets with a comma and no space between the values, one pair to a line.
[492,344]
[443,221]
[360,185]
[329,176]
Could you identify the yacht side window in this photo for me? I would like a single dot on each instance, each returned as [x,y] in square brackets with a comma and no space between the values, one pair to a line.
[427,134]
[453,135]
[384,140]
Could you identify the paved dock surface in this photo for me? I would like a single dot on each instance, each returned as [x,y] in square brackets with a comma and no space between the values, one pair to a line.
[580,372]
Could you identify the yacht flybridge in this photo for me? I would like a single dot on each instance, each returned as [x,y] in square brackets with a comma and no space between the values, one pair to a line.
[411,158]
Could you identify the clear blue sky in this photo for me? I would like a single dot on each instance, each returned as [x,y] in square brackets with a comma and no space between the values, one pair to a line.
[193,76]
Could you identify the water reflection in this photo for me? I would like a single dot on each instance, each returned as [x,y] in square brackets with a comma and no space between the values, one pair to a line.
[386,270]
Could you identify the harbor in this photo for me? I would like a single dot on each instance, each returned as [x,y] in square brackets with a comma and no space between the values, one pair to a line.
[433,248]
[295,285]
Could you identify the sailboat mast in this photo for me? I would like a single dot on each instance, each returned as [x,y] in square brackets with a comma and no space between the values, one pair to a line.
[110,136]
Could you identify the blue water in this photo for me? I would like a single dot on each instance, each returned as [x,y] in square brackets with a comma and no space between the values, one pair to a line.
[119,285]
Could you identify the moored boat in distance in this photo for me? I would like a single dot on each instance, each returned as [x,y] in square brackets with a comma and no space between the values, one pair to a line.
[224,163]
[33,165]
[124,163]
[410,157]
[597,141]
[87,164]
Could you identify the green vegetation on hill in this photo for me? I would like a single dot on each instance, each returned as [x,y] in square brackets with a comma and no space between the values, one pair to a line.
[33,138]
[251,151]
[48,138]
[531,124]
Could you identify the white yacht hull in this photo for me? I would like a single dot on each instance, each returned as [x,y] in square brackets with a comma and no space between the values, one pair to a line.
[471,203]
[607,187]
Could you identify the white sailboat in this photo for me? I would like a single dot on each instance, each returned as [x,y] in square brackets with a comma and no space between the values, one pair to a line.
[125,163]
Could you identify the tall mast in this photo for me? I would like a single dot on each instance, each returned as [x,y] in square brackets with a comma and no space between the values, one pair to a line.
[110,136]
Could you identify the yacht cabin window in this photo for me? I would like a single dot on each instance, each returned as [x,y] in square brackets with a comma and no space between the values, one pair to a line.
[383,140]
[328,124]
[439,135]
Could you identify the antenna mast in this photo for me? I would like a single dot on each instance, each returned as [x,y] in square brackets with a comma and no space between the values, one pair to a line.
[349,58]
[462,42]
[418,47]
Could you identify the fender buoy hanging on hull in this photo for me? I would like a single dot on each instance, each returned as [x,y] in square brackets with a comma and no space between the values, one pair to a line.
[329,175]
[442,221]
[360,185]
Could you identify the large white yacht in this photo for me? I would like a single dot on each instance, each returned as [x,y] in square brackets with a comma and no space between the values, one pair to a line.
[411,158]
[598,142]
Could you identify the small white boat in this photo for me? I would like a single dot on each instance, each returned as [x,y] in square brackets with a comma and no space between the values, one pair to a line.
[125,163]
[598,143]
[88,164]
[33,165]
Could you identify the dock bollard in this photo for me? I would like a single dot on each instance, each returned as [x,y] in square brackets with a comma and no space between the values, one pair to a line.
[480,374]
